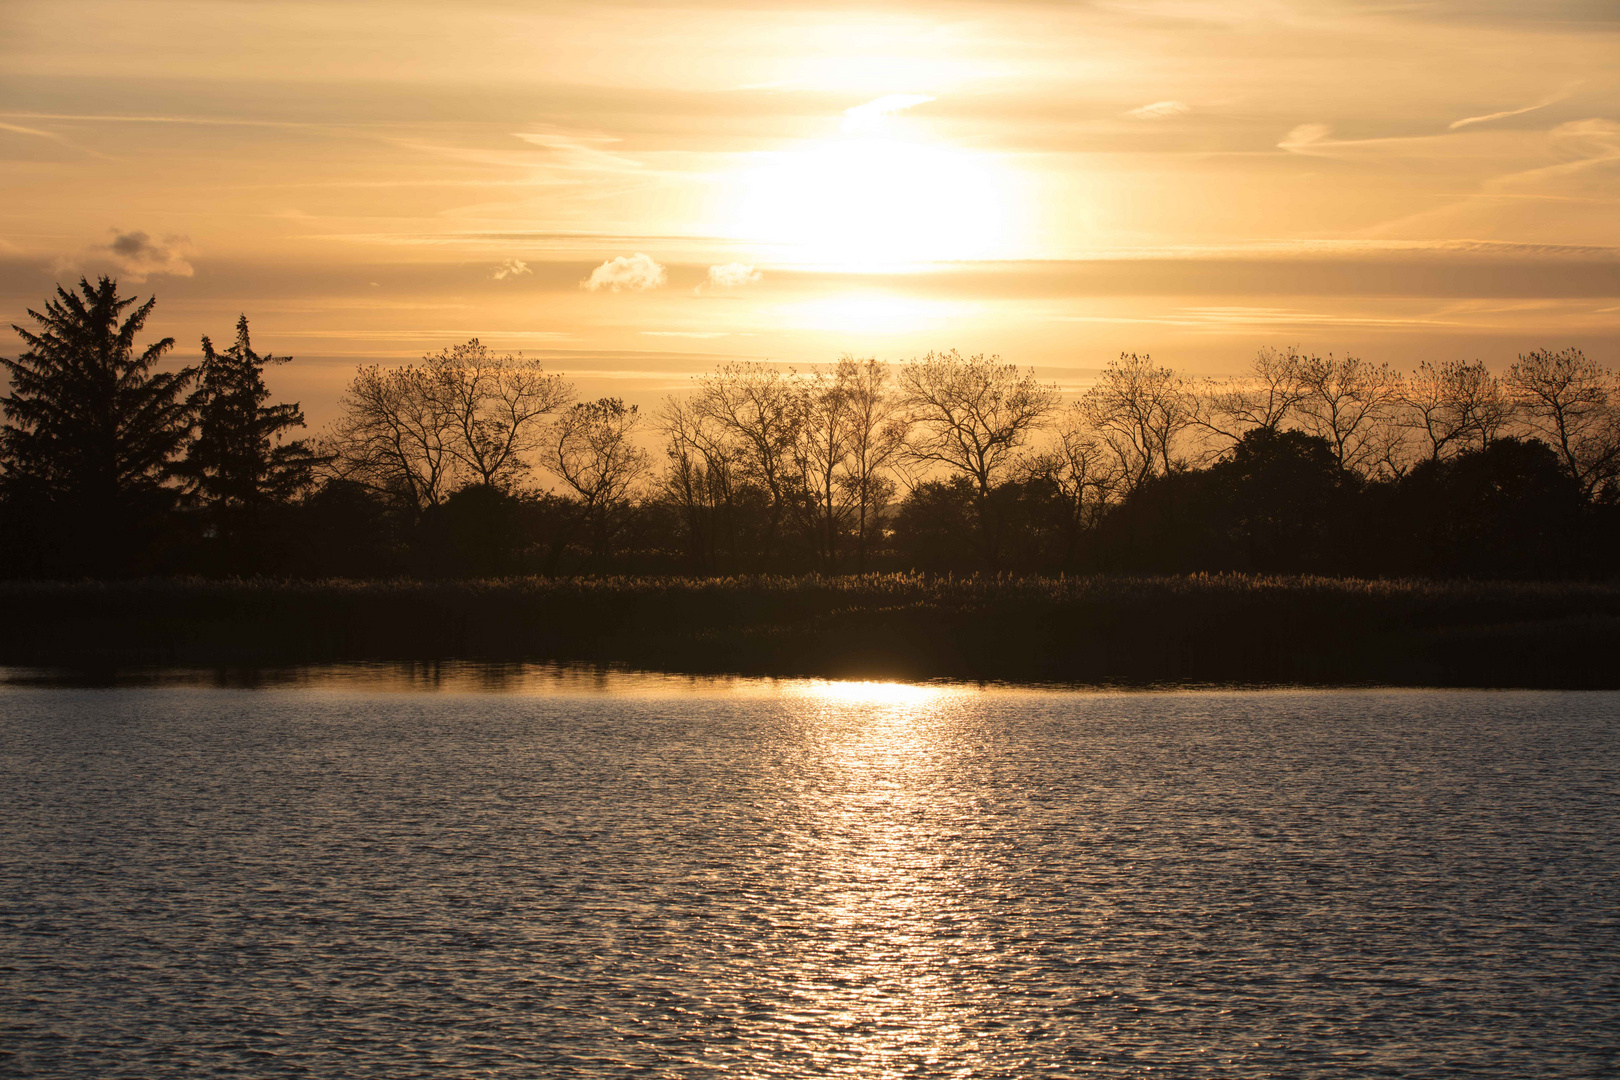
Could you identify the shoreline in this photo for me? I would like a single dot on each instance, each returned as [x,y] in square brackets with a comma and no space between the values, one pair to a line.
[1114,631]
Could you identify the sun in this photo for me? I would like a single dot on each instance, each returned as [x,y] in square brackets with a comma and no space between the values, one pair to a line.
[874,196]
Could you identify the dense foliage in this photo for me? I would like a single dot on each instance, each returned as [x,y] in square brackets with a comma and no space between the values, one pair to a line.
[477,464]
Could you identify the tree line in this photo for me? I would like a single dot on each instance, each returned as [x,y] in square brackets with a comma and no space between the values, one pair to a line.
[474,462]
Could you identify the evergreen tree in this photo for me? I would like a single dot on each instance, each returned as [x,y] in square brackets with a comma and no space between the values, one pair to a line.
[91,436]
[239,466]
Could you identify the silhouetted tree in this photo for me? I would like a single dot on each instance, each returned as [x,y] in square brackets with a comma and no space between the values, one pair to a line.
[239,465]
[344,530]
[595,454]
[936,527]
[1082,476]
[1266,396]
[826,432]
[1454,406]
[1570,402]
[496,403]
[755,410]
[1351,403]
[704,485]
[1287,506]
[478,531]
[465,415]
[92,433]
[972,415]
[1138,409]
[393,437]
[877,438]
[1509,510]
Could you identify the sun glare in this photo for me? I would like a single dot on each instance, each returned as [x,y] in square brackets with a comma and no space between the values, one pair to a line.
[874,197]
[863,692]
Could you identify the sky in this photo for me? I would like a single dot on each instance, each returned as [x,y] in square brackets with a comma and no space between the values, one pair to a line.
[636,191]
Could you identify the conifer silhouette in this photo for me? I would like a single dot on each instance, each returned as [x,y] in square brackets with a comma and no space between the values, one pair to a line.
[238,458]
[238,466]
[92,430]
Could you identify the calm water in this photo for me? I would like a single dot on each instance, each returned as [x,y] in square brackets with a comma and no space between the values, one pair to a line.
[352,873]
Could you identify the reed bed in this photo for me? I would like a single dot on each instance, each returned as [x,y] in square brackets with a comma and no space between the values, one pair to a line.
[1200,628]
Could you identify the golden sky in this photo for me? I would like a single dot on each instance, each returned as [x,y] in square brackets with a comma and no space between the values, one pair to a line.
[633,190]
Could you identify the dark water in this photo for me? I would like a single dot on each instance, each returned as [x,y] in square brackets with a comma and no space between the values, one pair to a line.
[546,875]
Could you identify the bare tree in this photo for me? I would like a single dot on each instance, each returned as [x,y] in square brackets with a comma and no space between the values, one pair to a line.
[496,403]
[877,436]
[1574,403]
[821,456]
[971,414]
[701,480]
[1138,410]
[394,437]
[464,414]
[594,452]
[1350,403]
[756,408]
[1265,396]
[1081,469]
[1454,406]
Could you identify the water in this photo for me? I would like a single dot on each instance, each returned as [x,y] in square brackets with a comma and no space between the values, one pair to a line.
[525,872]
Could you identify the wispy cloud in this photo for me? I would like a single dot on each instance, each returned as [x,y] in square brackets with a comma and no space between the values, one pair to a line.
[1302,138]
[870,116]
[61,140]
[1488,117]
[580,152]
[1583,143]
[511,268]
[1160,110]
[632,273]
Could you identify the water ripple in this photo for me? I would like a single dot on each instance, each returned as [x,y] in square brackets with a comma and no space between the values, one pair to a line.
[801,878]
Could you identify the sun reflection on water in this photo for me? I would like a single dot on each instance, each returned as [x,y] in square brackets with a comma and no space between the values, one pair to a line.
[882,876]
[871,692]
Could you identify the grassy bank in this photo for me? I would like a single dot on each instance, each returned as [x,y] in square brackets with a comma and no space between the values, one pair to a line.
[1199,629]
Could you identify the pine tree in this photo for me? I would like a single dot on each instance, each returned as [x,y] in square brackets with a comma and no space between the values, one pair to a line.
[92,433]
[239,466]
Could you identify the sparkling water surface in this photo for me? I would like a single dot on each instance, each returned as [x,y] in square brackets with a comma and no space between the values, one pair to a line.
[524,872]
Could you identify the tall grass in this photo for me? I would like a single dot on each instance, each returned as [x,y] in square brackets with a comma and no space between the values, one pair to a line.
[1203,628]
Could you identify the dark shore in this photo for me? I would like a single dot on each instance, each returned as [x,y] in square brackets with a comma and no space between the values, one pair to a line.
[1224,629]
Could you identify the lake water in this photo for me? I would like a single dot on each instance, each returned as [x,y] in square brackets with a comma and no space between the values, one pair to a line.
[532,872]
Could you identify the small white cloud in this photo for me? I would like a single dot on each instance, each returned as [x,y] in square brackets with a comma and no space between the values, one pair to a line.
[731,276]
[1305,136]
[870,116]
[138,256]
[511,268]
[1160,110]
[637,273]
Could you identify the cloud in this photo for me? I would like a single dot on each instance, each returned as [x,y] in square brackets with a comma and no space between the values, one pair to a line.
[511,268]
[1160,110]
[731,276]
[637,273]
[1582,144]
[869,116]
[1305,136]
[1488,117]
[138,256]
[18,129]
